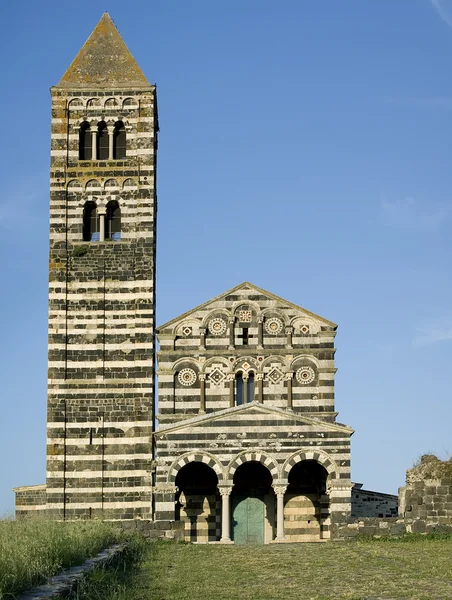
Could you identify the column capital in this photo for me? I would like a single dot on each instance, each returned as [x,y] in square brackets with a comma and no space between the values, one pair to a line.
[259,376]
[280,490]
[288,376]
[225,490]
[231,319]
[288,329]
[202,376]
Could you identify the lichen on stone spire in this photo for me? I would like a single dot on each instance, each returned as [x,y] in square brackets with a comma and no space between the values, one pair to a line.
[104,62]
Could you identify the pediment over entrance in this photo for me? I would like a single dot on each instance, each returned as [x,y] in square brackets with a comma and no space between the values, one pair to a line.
[253,417]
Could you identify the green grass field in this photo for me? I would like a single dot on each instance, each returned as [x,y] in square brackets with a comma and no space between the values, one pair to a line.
[420,569]
[32,551]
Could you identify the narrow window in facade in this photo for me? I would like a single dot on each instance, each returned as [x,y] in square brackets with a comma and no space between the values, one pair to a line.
[85,143]
[102,141]
[239,389]
[250,384]
[119,141]
[113,224]
[90,223]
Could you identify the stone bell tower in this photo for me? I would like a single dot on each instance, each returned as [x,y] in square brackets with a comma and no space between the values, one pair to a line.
[103,206]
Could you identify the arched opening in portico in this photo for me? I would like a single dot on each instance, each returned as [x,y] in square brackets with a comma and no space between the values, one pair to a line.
[252,504]
[306,504]
[198,502]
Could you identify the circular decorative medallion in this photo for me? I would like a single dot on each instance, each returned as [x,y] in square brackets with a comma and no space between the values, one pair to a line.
[273,325]
[187,377]
[305,375]
[217,326]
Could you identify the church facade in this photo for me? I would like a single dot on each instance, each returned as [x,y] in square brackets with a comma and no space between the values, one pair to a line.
[247,447]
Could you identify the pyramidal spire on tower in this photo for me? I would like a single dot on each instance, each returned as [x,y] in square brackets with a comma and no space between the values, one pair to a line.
[104,61]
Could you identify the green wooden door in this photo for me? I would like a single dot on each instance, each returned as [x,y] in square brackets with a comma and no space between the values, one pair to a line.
[248,519]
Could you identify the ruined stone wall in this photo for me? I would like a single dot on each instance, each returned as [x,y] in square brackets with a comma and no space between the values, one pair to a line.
[366,503]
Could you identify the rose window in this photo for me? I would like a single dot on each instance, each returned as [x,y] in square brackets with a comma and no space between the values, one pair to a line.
[305,375]
[273,325]
[217,326]
[187,377]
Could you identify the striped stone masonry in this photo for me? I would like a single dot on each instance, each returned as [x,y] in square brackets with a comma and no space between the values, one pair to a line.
[101,351]
[249,378]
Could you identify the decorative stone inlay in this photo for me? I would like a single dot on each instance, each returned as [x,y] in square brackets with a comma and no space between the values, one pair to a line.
[246,366]
[245,316]
[187,377]
[217,326]
[305,375]
[187,330]
[304,329]
[275,375]
[216,375]
[273,326]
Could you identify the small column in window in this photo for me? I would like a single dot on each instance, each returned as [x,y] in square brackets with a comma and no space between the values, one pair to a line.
[101,214]
[94,143]
[245,388]
[111,137]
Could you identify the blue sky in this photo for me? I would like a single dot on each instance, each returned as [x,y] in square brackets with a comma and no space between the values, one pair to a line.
[305,146]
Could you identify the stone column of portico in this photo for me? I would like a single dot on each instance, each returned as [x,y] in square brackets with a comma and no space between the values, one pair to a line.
[259,377]
[202,383]
[280,490]
[225,492]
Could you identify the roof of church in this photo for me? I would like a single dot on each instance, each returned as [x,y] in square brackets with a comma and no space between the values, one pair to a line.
[249,286]
[104,61]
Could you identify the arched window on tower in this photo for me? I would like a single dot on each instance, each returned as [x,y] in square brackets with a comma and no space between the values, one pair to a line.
[102,141]
[113,224]
[85,144]
[119,141]
[90,222]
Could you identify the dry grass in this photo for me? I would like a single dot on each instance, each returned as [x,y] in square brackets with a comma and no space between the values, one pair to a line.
[32,551]
[419,570]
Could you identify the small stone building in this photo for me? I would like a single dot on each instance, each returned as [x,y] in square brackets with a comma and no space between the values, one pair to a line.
[248,447]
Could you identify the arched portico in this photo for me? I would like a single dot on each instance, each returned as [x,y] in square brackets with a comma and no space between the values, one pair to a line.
[197,502]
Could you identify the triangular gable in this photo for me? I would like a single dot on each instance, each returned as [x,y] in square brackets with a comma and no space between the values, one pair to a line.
[251,287]
[103,61]
[254,408]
